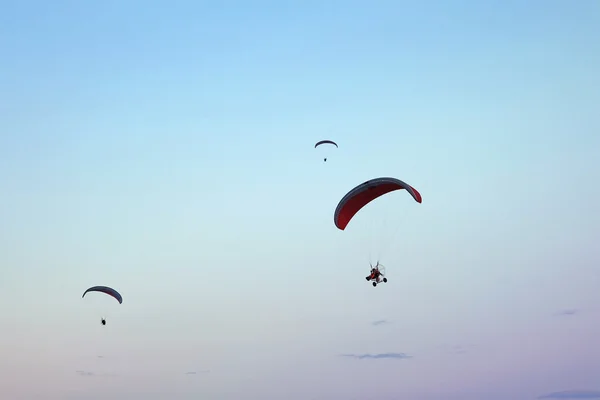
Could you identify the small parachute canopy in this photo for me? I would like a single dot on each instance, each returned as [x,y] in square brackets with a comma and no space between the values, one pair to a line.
[365,193]
[325,142]
[107,290]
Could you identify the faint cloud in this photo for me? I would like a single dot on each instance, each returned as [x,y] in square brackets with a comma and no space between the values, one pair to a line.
[571,311]
[90,373]
[379,356]
[204,371]
[573,394]
[458,349]
[380,322]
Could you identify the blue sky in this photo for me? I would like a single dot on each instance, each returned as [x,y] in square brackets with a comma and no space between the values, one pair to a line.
[166,149]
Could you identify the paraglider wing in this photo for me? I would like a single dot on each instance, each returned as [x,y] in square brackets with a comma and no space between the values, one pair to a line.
[105,289]
[365,193]
[326,142]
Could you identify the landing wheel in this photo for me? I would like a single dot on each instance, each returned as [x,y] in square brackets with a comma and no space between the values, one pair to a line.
[367,278]
[384,280]
[374,284]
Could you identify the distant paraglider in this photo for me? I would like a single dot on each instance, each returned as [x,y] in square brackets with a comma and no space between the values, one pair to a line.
[325,142]
[106,290]
[358,198]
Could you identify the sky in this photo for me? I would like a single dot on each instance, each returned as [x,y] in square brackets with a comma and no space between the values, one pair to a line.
[165,149]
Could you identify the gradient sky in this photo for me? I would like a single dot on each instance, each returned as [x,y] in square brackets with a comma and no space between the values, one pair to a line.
[166,149]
